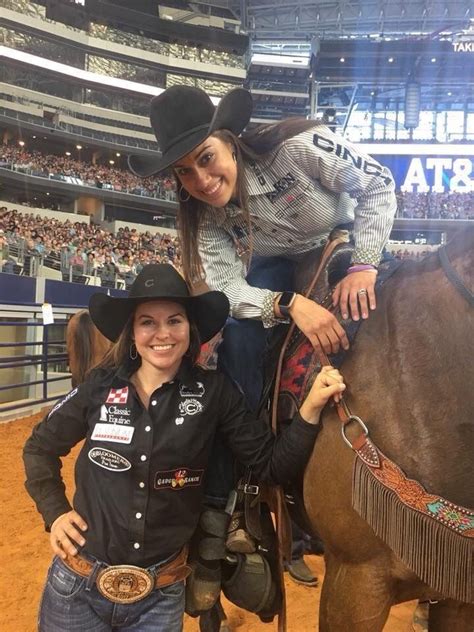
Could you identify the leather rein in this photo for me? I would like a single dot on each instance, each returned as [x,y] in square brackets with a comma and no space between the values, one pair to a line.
[454,277]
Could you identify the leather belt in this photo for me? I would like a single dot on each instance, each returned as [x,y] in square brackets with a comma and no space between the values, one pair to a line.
[126,583]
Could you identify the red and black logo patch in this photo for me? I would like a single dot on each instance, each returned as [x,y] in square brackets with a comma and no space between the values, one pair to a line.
[178,479]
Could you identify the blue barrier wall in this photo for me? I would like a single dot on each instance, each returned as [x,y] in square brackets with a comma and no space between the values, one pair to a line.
[17,290]
[61,293]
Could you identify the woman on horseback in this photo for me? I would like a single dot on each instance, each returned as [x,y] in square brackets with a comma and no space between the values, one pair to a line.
[267,198]
[148,417]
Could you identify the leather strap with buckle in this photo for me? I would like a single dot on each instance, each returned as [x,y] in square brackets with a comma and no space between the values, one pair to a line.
[126,583]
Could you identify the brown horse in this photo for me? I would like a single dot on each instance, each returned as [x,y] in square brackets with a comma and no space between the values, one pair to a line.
[410,375]
[85,345]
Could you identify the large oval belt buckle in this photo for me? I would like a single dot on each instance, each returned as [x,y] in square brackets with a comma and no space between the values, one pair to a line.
[125,584]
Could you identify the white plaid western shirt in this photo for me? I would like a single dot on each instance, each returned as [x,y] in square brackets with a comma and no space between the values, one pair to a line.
[297,195]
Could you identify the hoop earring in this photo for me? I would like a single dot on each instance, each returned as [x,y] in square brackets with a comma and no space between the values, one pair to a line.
[133,353]
[180,197]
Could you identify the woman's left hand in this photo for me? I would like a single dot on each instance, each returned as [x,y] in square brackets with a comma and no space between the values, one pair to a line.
[356,292]
[328,383]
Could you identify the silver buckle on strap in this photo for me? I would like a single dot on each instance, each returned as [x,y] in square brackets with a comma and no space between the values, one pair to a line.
[358,420]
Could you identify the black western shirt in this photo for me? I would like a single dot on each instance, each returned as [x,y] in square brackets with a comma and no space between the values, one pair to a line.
[139,475]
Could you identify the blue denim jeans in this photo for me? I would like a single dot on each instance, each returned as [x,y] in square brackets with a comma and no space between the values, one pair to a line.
[72,603]
[241,355]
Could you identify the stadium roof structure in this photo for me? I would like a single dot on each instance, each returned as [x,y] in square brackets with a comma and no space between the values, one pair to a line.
[380,69]
[274,19]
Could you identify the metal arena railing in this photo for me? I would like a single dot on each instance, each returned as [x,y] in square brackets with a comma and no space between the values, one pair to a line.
[37,364]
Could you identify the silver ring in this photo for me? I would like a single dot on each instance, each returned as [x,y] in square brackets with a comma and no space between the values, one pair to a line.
[362,291]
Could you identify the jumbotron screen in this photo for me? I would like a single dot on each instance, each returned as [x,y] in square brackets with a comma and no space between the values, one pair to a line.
[424,168]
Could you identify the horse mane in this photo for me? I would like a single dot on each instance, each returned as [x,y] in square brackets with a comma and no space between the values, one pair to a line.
[86,346]
[80,336]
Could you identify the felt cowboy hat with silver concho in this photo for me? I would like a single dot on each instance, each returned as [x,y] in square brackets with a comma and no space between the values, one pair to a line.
[182,117]
[208,311]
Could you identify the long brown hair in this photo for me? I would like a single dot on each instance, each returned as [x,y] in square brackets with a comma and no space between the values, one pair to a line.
[249,147]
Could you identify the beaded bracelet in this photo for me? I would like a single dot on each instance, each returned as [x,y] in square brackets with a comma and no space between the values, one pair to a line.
[362,267]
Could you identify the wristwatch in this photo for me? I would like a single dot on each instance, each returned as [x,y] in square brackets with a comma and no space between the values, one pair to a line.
[284,302]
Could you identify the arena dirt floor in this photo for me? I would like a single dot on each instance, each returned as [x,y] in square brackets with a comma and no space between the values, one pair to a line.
[25,556]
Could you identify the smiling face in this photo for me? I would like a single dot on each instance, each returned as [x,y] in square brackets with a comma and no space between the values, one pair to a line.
[209,172]
[161,335]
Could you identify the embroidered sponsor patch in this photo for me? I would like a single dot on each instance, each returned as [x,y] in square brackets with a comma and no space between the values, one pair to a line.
[192,391]
[281,187]
[109,460]
[190,407]
[112,432]
[177,479]
[117,396]
[115,414]
[63,401]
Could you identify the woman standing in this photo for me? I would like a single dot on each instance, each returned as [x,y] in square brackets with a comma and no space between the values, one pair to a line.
[148,417]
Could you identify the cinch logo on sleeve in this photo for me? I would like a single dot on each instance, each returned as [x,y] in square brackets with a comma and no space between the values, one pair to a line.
[370,168]
[177,479]
[63,401]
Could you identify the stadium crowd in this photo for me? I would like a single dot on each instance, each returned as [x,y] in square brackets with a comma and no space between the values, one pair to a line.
[100,176]
[452,205]
[79,249]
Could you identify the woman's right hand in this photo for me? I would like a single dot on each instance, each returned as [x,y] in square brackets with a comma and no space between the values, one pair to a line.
[318,325]
[65,534]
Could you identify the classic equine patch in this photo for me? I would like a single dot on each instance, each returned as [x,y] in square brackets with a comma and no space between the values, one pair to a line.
[177,479]
[109,460]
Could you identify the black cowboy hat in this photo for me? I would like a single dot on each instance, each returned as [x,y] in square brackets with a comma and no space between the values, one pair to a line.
[182,117]
[208,311]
